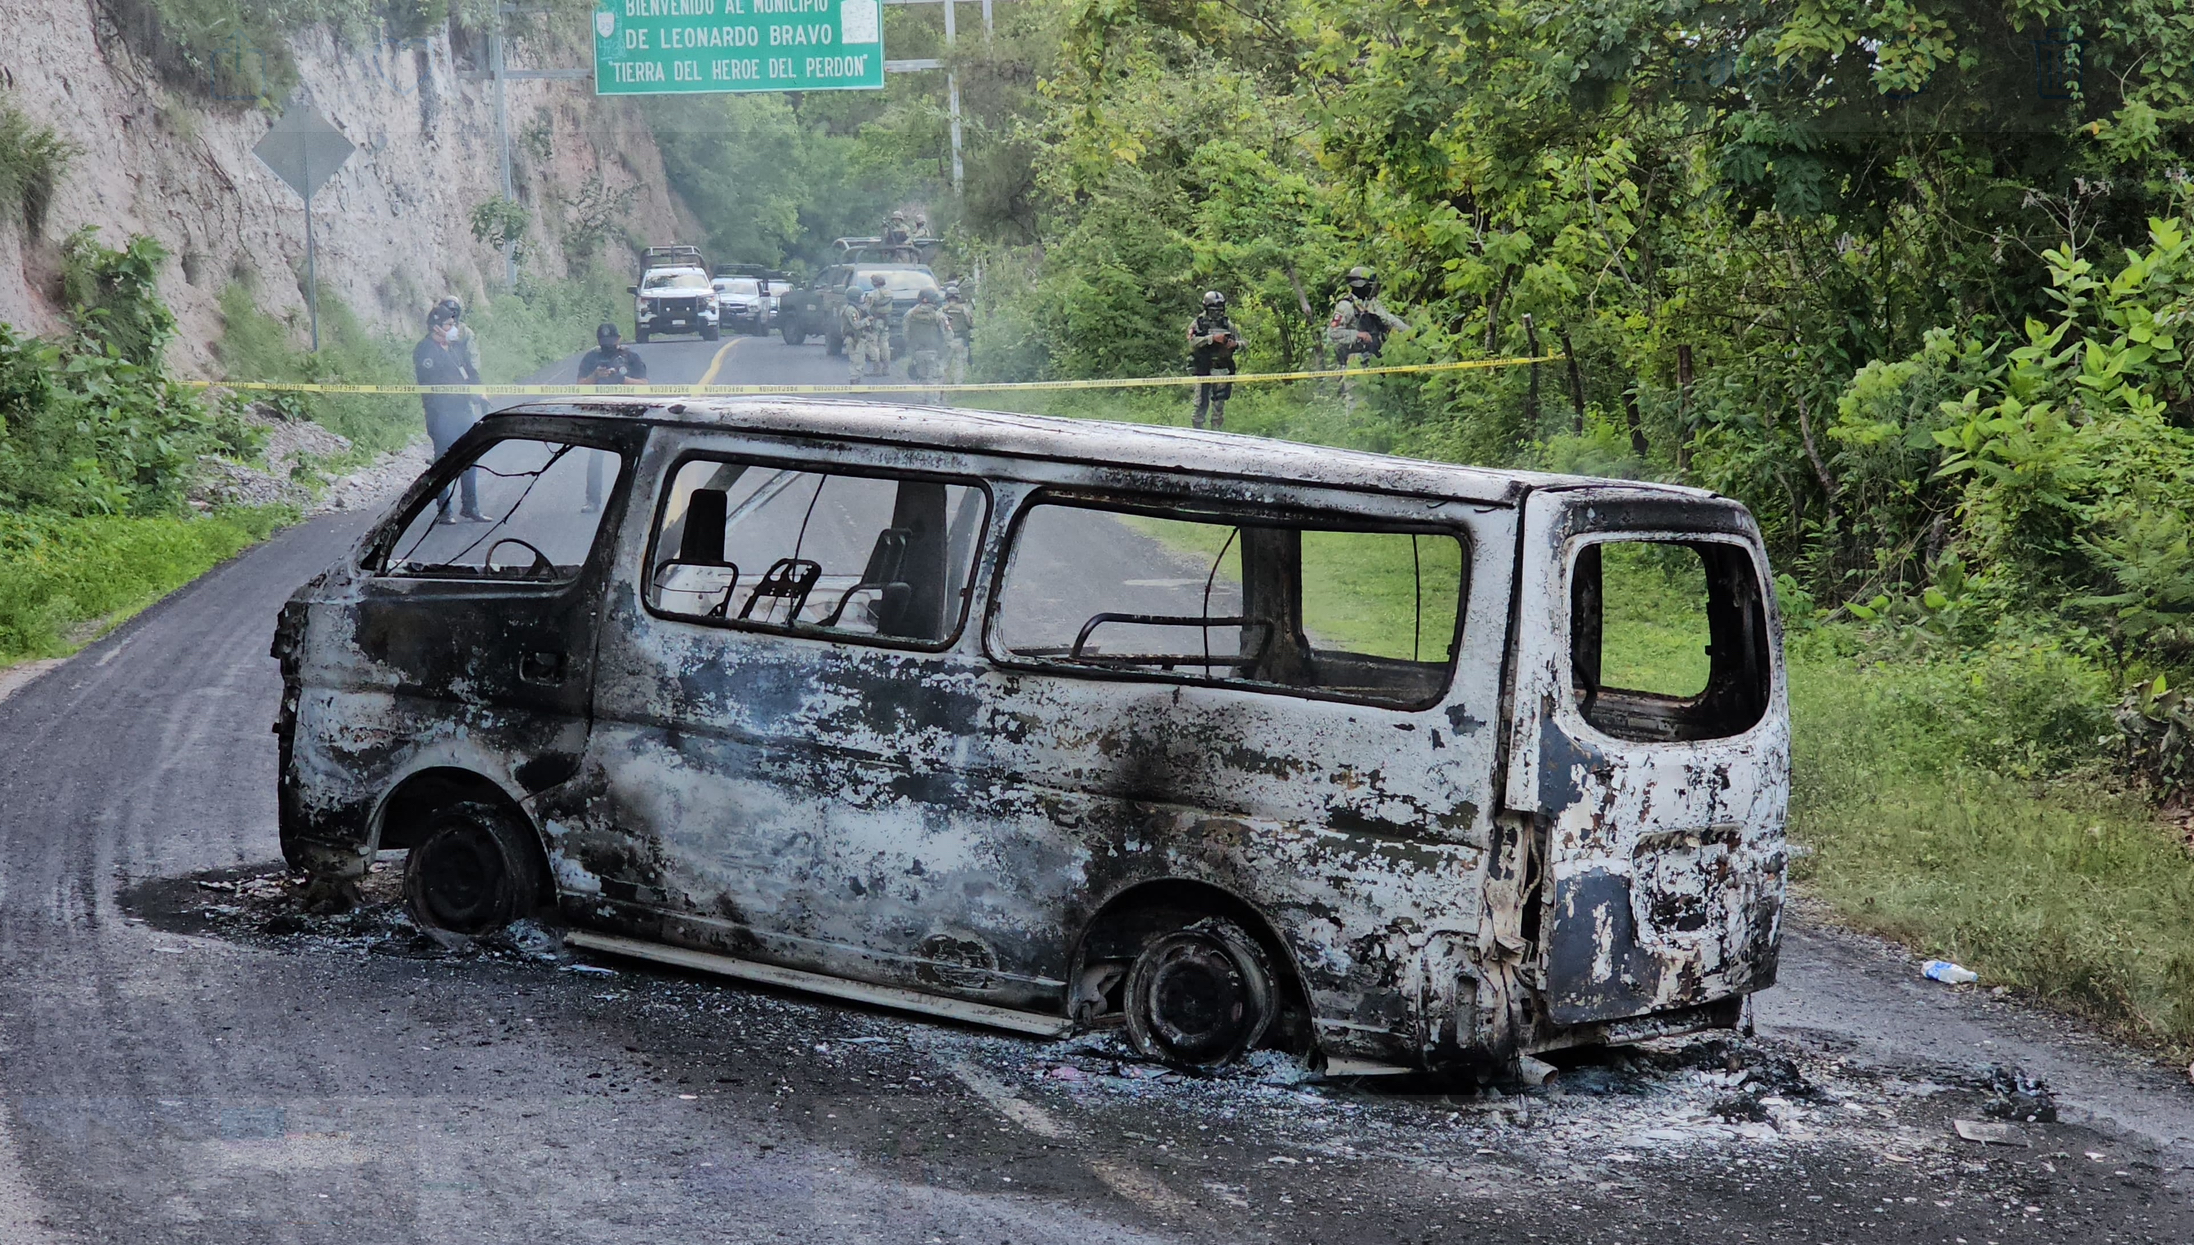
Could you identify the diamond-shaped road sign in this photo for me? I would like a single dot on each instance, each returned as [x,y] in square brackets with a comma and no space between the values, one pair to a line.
[303,149]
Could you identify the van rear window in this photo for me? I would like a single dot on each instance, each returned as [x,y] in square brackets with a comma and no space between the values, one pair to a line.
[1668,639]
[1334,610]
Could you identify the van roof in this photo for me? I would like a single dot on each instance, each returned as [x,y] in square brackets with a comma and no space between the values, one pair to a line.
[1144,446]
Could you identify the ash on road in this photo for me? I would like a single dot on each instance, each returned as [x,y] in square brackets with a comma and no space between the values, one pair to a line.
[191,1057]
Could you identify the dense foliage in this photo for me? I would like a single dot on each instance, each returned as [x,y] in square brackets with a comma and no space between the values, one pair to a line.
[1913,280]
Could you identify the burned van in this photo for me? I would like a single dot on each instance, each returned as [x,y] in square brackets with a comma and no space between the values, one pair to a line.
[1055,724]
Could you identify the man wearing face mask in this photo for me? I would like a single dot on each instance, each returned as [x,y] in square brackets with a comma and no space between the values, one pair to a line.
[611,362]
[440,359]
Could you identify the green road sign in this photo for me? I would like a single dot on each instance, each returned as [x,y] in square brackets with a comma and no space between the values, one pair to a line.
[663,47]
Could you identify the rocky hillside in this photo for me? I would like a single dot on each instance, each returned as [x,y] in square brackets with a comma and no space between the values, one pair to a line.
[393,227]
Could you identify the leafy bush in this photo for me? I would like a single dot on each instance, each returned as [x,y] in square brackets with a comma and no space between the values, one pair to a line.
[32,160]
[114,296]
[499,222]
[85,433]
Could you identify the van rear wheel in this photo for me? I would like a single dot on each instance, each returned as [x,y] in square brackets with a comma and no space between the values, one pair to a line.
[1200,996]
[474,871]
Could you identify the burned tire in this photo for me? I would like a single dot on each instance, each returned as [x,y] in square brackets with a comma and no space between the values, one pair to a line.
[1200,996]
[476,869]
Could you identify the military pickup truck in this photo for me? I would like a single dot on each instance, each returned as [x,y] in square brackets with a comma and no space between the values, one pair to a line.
[813,311]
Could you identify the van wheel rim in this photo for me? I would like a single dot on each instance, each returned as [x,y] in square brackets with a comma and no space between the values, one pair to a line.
[464,879]
[1198,1002]
[1200,997]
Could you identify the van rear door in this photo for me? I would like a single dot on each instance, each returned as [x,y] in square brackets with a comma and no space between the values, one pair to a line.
[1650,749]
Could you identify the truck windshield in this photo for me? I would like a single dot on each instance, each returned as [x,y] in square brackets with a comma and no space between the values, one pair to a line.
[675,281]
[901,282]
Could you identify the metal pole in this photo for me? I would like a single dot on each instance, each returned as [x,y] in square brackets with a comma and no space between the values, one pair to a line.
[986,19]
[312,266]
[502,139]
[952,96]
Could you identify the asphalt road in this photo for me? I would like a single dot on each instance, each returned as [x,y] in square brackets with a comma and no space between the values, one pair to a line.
[178,1066]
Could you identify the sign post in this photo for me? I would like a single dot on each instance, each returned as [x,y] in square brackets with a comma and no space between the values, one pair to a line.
[666,47]
[304,149]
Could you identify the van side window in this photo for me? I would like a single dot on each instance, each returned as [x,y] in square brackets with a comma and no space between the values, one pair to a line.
[754,545]
[1668,639]
[1324,608]
[534,525]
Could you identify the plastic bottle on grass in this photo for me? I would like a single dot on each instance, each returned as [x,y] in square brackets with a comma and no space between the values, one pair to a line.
[1948,973]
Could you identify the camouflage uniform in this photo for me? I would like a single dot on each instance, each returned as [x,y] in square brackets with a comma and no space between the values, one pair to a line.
[960,318]
[853,331]
[1361,323]
[927,333]
[1212,342]
[876,334]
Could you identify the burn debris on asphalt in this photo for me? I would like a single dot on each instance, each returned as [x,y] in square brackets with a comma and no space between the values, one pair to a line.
[275,907]
[1772,1132]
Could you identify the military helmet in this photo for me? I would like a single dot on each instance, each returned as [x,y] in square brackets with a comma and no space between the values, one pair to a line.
[952,289]
[1360,275]
[898,216]
[876,279]
[928,296]
[451,306]
[1214,300]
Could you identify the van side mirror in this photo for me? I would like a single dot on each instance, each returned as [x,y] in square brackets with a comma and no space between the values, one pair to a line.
[632,289]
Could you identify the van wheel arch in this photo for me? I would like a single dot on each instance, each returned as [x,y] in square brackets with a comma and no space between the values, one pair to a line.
[1149,912]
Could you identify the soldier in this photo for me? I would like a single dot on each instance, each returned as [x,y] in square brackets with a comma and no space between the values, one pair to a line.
[927,333]
[1211,346]
[875,355]
[895,230]
[853,331]
[960,318]
[1360,321]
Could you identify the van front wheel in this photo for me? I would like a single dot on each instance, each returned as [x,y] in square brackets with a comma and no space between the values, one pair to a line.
[473,871]
[1201,996]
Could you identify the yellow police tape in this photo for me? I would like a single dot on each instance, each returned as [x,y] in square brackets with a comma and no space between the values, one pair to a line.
[710,391]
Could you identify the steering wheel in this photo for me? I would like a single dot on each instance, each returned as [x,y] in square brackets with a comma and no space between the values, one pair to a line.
[542,568]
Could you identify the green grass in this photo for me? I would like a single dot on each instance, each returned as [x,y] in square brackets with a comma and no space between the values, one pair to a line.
[65,581]
[2062,886]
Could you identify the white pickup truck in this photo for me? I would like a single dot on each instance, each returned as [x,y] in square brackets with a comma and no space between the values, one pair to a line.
[674,295]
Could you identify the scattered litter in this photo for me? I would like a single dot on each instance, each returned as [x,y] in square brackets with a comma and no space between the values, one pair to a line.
[1741,1109]
[1948,973]
[2018,1096]
[173,950]
[1282,1158]
[592,970]
[1534,1071]
[1067,1072]
[1989,1132]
